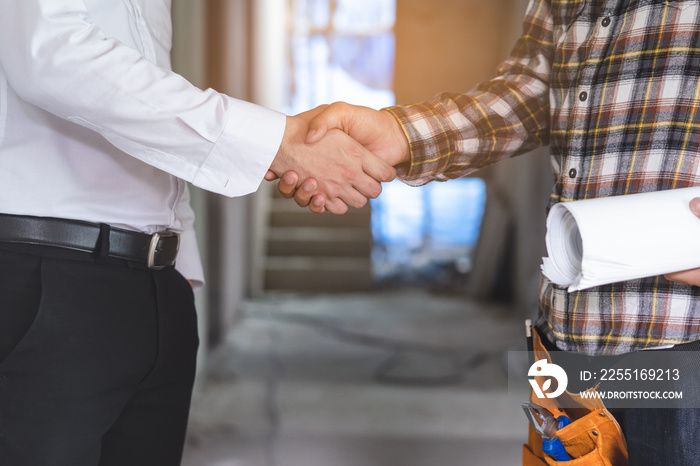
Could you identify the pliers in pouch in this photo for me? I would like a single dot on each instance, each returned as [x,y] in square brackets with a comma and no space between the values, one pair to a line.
[545,424]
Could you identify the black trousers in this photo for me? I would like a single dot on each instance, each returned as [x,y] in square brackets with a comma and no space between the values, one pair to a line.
[97,360]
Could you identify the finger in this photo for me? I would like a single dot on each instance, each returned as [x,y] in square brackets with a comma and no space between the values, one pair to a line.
[336,206]
[377,168]
[318,204]
[363,185]
[333,117]
[303,195]
[288,184]
[374,170]
[695,206]
[691,277]
[270,176]
[355,198]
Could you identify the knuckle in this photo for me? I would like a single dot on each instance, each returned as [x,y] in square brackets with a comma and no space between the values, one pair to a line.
[357,201]
[340,105]
[347,172]
[338,208]
[388,174]
[356,152]
[286,194]
[302,196]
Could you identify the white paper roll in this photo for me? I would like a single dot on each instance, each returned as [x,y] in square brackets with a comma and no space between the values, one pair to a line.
[594,242]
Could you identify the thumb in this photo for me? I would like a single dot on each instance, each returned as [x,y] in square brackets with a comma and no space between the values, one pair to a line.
[330,118]
[695,206]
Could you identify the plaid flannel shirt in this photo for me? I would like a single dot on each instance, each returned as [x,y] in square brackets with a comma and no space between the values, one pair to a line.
[614,88]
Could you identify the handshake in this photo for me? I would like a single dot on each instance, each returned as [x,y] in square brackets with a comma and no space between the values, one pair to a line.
[335,156]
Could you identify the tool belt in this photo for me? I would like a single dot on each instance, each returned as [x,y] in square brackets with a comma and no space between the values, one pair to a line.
[593,438]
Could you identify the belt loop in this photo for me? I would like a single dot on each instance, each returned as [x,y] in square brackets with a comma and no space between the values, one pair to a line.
[102,248]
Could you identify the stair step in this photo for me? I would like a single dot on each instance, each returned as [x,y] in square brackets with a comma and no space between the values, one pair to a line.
[325,264]
[328,274]
[317,253]
[319,234]
[283,219]
[315,242]
[284,212]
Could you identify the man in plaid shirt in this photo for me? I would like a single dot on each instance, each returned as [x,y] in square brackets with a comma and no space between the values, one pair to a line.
[613,87]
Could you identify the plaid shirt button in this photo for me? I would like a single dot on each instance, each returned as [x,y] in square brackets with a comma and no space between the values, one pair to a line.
[606,22]
[583,96]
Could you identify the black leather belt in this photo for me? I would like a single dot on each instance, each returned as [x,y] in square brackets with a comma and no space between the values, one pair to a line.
[157,251]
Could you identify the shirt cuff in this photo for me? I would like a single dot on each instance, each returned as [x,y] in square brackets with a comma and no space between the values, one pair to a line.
[413,123]
[245,150]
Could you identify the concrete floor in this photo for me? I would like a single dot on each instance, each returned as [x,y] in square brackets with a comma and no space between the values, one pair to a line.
[400,378]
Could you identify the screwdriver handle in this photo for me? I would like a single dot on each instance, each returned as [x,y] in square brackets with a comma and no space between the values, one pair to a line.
[555,449]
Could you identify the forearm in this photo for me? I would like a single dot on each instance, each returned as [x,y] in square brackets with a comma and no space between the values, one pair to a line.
[455,134]
[56,58]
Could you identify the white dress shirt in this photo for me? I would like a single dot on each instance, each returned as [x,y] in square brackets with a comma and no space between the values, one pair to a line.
[94,126]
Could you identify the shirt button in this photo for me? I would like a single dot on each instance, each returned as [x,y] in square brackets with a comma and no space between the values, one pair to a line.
[583,96]
[606,22]
[572,173]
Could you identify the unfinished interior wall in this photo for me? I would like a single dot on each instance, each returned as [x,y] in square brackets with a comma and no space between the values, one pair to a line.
[445,45]
[450,45]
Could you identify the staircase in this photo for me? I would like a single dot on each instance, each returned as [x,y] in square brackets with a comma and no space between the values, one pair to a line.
[308,252]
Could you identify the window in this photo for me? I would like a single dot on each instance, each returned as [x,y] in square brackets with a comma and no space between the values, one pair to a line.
[342,50]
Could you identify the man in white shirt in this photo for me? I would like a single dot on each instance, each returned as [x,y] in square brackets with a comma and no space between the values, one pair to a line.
[97,140]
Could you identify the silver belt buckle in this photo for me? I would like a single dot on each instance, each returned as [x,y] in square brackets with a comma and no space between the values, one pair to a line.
[153,249]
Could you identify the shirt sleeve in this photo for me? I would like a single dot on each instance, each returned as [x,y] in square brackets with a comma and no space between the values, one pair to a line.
[456,134]
[54,58]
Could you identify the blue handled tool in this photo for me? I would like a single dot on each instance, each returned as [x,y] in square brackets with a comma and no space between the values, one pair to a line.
[545,424]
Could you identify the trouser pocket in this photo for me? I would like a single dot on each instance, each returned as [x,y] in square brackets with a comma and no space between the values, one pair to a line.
[20,298]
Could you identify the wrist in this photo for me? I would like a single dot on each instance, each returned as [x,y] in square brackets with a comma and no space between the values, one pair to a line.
[283,160]
[399,140]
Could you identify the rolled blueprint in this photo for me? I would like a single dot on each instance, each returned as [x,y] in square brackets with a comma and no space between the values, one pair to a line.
[595,242]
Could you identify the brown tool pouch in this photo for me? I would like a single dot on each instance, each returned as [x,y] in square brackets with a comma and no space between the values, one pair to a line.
[593,438]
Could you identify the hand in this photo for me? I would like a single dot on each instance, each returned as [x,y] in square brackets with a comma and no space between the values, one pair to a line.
[378,131]
[692,276]
[343,171]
